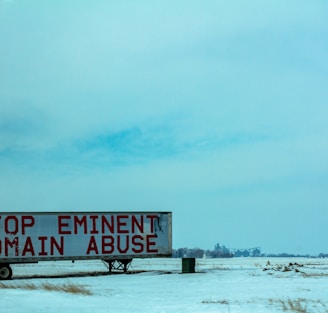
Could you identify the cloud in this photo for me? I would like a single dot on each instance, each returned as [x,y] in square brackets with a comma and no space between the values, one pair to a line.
[116,66]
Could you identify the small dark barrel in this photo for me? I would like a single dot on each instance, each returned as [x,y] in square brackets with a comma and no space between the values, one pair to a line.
[188,265]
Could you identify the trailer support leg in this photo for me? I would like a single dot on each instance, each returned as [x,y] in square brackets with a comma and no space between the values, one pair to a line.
[118,265]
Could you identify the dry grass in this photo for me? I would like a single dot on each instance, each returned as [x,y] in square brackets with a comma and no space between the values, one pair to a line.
[223,301]
[298,305]
[315,275]
[69,288]
[301,305]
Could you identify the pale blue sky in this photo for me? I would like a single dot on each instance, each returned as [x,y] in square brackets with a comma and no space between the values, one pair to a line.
[214,110]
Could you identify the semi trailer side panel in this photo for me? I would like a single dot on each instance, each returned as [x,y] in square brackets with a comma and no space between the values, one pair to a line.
[37,236]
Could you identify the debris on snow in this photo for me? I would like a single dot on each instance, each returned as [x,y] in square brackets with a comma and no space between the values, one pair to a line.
[291,267]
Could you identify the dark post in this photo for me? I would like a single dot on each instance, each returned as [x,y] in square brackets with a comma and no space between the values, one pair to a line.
[188,265]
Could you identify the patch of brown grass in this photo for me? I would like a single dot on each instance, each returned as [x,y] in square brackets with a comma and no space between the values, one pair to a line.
[69,288]
[223,301]
[300,305]
[315,274]
[297,305]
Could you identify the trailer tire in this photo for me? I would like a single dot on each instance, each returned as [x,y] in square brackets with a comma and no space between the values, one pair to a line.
[5,272]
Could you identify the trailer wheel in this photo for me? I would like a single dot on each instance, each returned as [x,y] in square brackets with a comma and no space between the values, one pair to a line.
[5,272]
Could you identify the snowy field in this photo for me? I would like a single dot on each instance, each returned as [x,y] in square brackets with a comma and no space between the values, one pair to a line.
[157,286]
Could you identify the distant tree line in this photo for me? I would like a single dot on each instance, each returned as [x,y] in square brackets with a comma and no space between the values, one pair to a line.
[224,252]
[218,252]
[323,255]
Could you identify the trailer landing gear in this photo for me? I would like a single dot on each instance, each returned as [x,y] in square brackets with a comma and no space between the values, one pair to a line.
[118,265]
[5,271]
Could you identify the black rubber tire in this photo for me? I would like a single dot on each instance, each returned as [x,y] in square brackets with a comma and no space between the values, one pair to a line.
[5,272]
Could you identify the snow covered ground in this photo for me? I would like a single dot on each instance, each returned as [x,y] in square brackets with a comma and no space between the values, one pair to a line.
[157,285]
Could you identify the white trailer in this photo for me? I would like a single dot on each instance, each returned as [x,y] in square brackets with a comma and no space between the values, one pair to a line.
[30,237]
